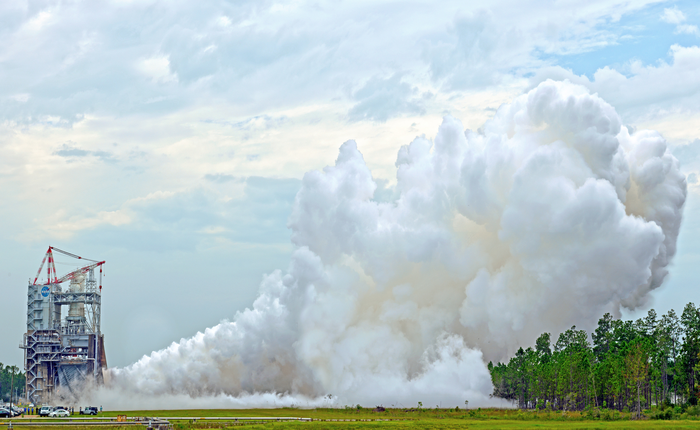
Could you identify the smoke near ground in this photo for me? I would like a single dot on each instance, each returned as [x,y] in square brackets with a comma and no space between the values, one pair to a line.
[549,215]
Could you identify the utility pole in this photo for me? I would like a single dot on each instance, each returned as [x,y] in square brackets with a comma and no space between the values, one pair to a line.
[12,385]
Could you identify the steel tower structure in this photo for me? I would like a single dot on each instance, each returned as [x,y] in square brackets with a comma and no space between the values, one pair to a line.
[61,355]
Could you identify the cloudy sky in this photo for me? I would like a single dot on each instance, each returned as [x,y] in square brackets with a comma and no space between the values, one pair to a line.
[169,138]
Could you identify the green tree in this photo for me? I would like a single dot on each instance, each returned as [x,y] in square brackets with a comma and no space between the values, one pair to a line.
[6,382]
[690,324]
[636,370]
[650,361]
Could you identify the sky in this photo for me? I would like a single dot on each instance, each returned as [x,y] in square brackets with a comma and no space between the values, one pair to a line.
[169,138]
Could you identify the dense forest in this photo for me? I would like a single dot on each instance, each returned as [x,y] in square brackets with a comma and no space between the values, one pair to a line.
[623,365]
[6,382]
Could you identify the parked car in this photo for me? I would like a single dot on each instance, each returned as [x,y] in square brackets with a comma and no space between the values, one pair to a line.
[89,410]
[45,411]
[6,412]
[59,413]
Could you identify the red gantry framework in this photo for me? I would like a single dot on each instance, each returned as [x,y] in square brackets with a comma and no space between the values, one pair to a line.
[61,354]
[51,268]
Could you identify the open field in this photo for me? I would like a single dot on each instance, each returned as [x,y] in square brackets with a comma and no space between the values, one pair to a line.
[390,419]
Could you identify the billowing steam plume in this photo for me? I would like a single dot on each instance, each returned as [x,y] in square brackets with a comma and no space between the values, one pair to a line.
[549,215]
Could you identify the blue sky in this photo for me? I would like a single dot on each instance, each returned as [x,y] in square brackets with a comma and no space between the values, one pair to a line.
[169,138]
[637,36]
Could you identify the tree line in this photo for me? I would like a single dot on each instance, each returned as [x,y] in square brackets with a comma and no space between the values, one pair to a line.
[623,365]
[6,383]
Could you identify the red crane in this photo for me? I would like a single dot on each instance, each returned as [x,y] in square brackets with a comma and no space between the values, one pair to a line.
[51,267]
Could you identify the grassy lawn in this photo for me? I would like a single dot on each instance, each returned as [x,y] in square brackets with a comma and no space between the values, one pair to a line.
[390,419]
[418,424]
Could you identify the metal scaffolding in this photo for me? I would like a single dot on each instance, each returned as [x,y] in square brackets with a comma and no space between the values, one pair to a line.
[62,355]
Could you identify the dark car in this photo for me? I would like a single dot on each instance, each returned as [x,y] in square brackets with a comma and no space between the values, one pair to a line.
[89,410]
[5,413]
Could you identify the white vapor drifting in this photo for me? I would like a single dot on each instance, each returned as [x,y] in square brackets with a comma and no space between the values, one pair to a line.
[549,215]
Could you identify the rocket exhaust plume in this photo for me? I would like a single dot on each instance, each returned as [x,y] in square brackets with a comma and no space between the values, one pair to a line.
[549,215]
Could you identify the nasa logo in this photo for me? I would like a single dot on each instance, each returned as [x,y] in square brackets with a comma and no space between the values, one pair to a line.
[45,291]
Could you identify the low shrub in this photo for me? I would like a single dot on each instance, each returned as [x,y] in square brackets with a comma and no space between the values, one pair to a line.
[693,411]
[661,414]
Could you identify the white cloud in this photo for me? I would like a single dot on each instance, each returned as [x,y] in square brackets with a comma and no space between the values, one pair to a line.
[673,16]
[648,94]
[39,21]
[224,21]
[688,29]
[22,98]
[157,69]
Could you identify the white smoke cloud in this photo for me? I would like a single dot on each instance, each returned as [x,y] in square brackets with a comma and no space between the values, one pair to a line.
[549,215]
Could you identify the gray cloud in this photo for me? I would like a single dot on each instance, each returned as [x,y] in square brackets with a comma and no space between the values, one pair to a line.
[184,219]
[259,122]
[253,126]
[70,151]
[689,153]
[380,99]
[62,61]
[384,193]
[221,177]
[476,51]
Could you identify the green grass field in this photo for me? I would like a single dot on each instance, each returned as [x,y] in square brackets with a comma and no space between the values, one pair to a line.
[390,419]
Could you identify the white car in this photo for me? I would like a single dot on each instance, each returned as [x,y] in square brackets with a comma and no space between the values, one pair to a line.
[59,413]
